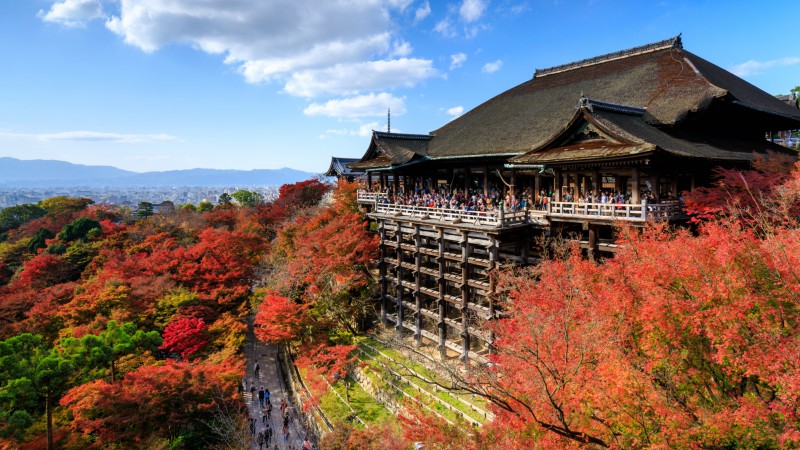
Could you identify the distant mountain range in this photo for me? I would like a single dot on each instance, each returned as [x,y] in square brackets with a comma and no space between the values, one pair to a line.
[50,173]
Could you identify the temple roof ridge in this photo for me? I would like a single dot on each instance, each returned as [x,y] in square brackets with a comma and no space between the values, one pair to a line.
[390,135]
[674,42]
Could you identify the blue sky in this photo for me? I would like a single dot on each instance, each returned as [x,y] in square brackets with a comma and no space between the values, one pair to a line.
[250,84]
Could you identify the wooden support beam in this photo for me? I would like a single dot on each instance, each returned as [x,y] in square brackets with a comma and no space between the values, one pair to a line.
[382,269]
[635,198]
[442,302]
[486,181]
[399,278]
[557,188]
[465,296]
[417,285]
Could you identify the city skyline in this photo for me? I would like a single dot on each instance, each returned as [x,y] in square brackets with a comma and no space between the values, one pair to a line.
[146,86]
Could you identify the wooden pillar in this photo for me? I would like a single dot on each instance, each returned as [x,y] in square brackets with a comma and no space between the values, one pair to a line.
[382,269]
[396,182]
[417,285]
[594,229]
[382,177]
[635,199]
[513,182]
[466,181]
[557,187]
[465,337]
[450,179]
[597,181]
[655,181]
[493,246]
[442,302]
[399,275]
[587,188]
[369,181]
[537,187]
[486,181]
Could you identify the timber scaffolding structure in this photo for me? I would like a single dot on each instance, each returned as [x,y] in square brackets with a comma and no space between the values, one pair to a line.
[643,125]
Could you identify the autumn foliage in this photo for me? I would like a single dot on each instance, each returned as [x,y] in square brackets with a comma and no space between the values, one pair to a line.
[681,340]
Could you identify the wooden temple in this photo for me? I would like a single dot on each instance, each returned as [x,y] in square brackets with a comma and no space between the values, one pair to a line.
[339,169]
[574,150]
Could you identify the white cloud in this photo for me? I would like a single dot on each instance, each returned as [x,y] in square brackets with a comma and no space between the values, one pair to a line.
[89,136]
[348,79]
[280,41]
[492,67]
[360,106]
[363,130]
[401,49]
[472,10]
[73,13]
[455,111]
[754,67]
[422,12]
[445,28]
[457,60]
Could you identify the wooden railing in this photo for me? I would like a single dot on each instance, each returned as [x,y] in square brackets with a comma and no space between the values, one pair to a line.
[501,217]
[642,212]
[483,218]
[371,197]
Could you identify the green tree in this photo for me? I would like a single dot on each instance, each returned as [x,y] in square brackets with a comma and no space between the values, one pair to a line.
[796,92]
[29,371]
[224,199]
[39,239]
[189,207]
[248,198]
[14,216]
[78,229]
[102,351]
[145,209]
[205,206]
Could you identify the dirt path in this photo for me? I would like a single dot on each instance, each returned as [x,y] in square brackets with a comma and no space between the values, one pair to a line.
[270,378]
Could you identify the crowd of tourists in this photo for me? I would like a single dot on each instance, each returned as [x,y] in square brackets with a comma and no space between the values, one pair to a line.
[493,200]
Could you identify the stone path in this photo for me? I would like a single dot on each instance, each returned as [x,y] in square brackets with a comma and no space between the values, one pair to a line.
[270,378]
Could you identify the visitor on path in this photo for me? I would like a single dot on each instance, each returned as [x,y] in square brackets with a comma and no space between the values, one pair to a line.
[286,419]
[267,433]
[261,397]
[253,392]
[266,394]
[256,369]
[252,426]
[283,406]
[261,440]
[285,435]
[269,409]
[306,444]
[264,415]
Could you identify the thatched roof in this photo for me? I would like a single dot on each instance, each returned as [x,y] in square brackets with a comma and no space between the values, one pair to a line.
[391,150]
[623,133]
[338,167]
[661,77]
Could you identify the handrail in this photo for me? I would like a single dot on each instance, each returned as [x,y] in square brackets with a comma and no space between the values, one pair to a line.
[641,212]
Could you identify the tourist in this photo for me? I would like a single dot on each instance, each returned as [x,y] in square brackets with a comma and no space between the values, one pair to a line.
[256,369]
[261,397]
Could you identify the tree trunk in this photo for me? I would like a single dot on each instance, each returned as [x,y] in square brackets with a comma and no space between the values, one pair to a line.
[49,409]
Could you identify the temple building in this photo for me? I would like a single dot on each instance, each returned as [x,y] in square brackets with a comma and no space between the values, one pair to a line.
[340,170]
[572,151]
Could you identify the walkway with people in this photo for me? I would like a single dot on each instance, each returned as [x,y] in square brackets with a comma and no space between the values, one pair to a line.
[269,377]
